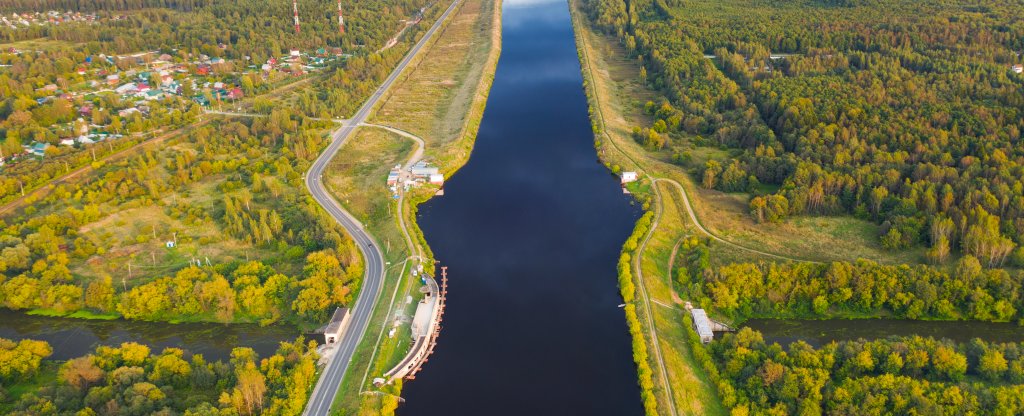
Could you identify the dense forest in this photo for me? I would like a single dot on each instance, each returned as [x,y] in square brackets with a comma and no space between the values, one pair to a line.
[900,375]
[904,113]
[862,288]
[256,28]
[132,380]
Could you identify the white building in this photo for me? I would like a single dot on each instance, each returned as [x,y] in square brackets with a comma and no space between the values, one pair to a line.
[334,329]
[437,179]
[422,170]
[628,177]
[702,325]
[1018,68]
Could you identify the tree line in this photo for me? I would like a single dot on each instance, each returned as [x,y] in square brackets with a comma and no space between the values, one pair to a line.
[768,289]
[898,375]
[133,380]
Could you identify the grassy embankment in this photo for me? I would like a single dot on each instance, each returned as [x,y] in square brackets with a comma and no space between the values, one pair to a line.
[440,98]
[616,99]
[671,380]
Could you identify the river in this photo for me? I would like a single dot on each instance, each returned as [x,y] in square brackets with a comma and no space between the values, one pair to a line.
[72,338]
[819,332]
[531,229]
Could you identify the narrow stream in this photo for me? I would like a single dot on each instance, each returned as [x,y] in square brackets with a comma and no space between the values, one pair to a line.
[820,332]
[531,229]
[72,338]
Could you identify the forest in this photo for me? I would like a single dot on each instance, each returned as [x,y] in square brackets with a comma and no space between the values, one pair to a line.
[905,113]
[850,289]
[133,380]
[132,240]
[898,375]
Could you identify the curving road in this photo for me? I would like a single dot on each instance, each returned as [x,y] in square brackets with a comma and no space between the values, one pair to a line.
[330,380]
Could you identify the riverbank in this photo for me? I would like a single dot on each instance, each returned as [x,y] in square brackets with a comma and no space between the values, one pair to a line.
[672,381]
[440,99]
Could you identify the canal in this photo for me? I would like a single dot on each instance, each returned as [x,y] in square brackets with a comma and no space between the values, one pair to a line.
[531,229]
[72,338]
[820,332]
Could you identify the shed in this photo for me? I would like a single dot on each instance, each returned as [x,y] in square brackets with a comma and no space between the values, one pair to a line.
[339,320]
[702,325]
[422,170]
[628,177]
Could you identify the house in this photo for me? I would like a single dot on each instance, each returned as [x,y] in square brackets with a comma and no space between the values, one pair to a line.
[129,88]
[203,69]
[702,325]
[628,177]
[393,177]
[39,149]
[437,179]
[67,142]
[336,327]
[423,170]
[165,57]
[1018,68]
[235,94]
[85,111]
[127,112]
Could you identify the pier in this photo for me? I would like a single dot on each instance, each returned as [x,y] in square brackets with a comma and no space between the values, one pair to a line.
[426,326]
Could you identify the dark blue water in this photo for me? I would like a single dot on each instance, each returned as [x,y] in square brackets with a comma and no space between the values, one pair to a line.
[531,230]
[71,338]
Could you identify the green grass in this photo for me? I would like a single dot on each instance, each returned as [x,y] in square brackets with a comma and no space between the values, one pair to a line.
[46,375]
[81,314]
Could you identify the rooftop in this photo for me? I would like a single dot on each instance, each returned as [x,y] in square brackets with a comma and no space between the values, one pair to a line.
[336,320]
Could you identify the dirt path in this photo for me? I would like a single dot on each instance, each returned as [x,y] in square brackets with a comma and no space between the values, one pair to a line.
[417,155]
[639,271]
[696,223]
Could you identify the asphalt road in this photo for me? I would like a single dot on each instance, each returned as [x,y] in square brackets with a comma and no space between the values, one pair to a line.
[330,380]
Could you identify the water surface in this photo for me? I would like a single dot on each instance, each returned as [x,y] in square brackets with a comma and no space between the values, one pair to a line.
[72,338]
[820,332]
[531,229]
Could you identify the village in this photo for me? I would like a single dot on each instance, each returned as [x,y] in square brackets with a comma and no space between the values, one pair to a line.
[22,20]
[111,94]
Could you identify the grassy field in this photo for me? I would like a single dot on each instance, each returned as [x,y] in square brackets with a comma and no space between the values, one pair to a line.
[440,99]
